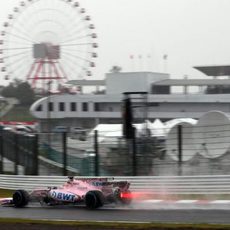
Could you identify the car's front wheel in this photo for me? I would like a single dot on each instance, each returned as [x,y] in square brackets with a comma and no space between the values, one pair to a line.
[20,198]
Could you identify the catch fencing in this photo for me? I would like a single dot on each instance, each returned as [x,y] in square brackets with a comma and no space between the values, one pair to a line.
[186,150]
[163,185]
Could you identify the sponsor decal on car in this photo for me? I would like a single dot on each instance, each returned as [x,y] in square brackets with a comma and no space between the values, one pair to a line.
[62,196]
[97,183]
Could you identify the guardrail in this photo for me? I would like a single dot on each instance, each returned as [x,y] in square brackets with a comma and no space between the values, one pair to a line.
[218,184]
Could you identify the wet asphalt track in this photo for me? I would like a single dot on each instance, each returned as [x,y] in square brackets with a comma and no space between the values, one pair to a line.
[137,212]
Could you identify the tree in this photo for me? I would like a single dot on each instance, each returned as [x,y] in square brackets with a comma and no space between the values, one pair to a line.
[20,90]
[9,91]
[25,94]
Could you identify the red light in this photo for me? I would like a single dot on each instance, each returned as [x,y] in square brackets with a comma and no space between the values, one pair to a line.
[126,195]
[140,195]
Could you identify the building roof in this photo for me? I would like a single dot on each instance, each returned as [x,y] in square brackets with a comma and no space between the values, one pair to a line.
[193,82]
[215,71]
[87,82]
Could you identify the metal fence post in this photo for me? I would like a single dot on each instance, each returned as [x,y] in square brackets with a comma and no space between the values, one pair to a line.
[1,154]
[35,156]
[180,150]
[96,166]
[15,154]
[134,155]
[64,144]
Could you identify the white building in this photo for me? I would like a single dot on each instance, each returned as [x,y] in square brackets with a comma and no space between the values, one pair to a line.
[89,109]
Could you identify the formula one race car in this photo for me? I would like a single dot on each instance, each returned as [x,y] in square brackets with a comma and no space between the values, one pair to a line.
[93,192]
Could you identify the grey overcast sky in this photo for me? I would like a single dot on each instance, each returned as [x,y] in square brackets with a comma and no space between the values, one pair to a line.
[189,32]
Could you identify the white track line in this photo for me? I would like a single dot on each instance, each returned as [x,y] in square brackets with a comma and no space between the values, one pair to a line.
[186,201]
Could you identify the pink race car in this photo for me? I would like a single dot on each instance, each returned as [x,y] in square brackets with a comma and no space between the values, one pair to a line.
[93,192]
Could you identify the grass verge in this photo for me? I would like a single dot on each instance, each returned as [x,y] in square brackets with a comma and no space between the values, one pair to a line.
[24,224]
[18,113]
[5,193]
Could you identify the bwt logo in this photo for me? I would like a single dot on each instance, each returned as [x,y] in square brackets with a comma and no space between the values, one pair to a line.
[97,183]
[62,196]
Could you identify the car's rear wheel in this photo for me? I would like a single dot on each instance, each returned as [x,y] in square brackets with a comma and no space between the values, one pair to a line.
[20,198]
[94,199]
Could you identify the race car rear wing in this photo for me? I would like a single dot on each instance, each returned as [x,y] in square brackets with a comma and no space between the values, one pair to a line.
[120,184]
[89,179]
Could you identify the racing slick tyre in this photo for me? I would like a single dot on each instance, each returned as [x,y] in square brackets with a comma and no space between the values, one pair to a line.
[20,198]
[94,199]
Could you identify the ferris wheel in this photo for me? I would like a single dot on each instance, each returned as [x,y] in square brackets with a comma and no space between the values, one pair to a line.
[46,41]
